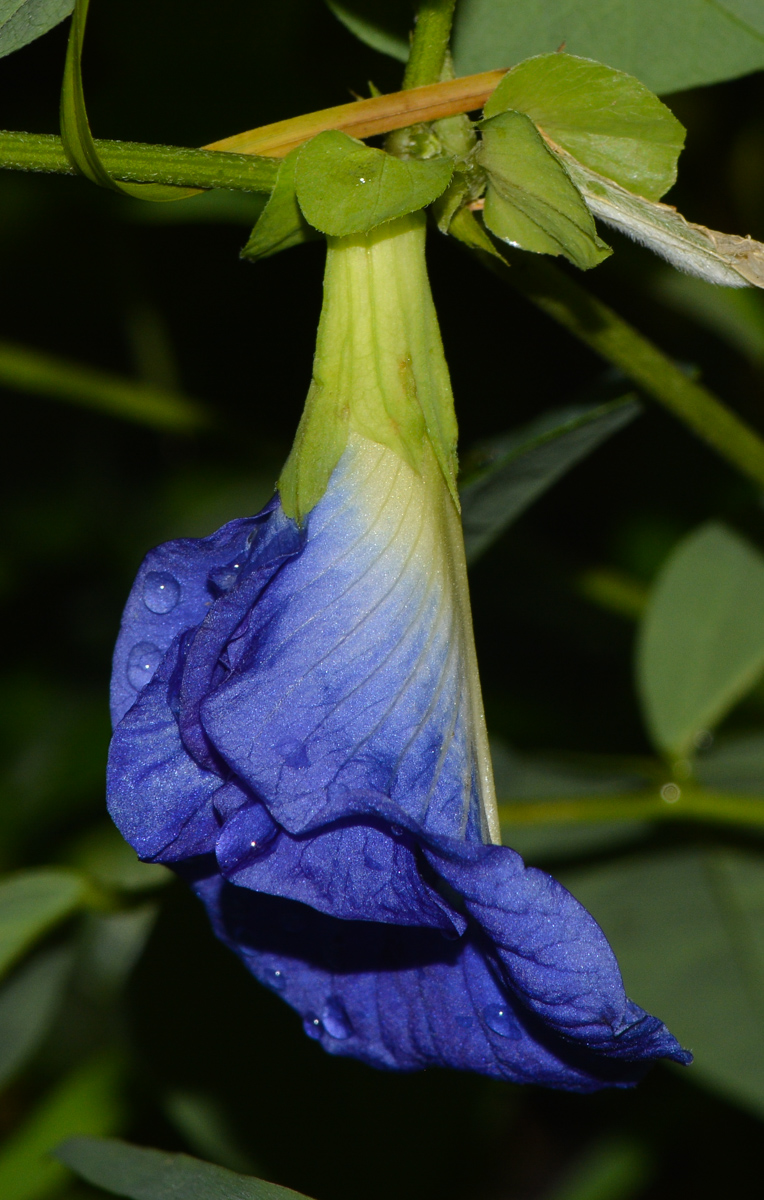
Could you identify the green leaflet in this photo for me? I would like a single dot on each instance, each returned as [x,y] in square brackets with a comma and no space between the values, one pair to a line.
[75,128]
[522,465]
[669,46]
[735,764]
[737,317]
[22,21]
[281,224]
[530,201]
[687,928]
[381,24]
[701,643]
[154,1175]
[87,1101]
[345,187]
[607,120]
[29,1001]
[31,903]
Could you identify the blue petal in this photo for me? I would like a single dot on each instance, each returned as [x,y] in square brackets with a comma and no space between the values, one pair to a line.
[176,586]
[354,872]
[311,750]
[357,678]
[408,998]
[158,797]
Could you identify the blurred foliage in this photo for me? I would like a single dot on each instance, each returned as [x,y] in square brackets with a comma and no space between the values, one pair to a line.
[119,1013]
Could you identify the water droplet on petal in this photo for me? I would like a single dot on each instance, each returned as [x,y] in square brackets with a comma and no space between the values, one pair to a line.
[223,579]
[161,592]
[499,1018]
[335,1020]
[275,979]
[142,662]
[311,1023]
[294,753]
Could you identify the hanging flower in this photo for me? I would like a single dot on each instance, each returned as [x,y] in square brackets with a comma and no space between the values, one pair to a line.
[299,733]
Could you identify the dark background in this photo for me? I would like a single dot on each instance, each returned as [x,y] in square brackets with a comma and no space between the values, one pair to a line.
[110,282]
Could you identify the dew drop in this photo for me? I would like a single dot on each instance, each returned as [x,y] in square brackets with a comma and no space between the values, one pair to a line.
[142,662]
[223,579]
[275,979]
[499,1018]
[161,592]
[311,1023]
[335,1020]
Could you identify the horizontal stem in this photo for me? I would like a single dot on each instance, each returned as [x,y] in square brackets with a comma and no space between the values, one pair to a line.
[138,162]
[367,118]
[691,804]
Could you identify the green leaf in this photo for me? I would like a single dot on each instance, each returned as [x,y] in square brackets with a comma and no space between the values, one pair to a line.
[87,1102]
[720,258]
[381,24]
[154,1175]
[530,201]
[736,764]
[737,317]
[520,466]
[21,21]
[606,119]
[202,1122]
[75,128]
[669,46]
[525,779]
[701,642]
[345,187]
[688,930]
[614,1168]
[29,1001]
[30,370]
[31,903]
[281,224]
[104,855]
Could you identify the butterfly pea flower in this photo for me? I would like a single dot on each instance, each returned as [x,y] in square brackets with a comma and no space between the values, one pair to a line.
[299,734]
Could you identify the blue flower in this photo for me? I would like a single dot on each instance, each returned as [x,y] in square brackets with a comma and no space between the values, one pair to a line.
[299,734]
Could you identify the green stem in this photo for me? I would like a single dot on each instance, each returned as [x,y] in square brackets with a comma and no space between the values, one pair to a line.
[427,58]
[429,44]
[692,804]
[138,162]
[27,369]
[594,323]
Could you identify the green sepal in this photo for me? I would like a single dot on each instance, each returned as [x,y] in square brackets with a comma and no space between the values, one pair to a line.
[606,119]
[531,202]
[345,188]
[379,368]
[281,224]
[75,128]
